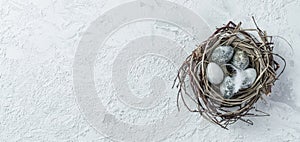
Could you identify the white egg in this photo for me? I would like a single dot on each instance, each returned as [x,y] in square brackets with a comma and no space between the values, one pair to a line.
[214,73]
[249,77]
[240,59]
[227,87]
[222,54]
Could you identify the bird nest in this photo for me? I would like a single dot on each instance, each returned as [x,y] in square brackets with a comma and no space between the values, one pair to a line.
[193,83]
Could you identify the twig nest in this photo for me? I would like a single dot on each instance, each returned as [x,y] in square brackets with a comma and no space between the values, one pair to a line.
[214,72]
[228,73]
[222,54]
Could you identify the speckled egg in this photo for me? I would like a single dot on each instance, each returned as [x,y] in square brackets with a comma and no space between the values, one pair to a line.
[240,59]
[222,54]
[214,73]
[249,77]
[227,87]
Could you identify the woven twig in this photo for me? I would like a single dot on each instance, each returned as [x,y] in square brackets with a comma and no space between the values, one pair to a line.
[210,103]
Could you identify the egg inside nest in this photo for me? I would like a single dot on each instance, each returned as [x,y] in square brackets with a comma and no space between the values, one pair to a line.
[229,70]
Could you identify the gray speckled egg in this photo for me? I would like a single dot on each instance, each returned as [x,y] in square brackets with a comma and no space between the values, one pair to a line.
[227,87]
[240,59]
[214,73]
[222,54]
[250,76]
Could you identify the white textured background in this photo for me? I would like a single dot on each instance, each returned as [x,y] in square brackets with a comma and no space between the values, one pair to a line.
[38,41]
